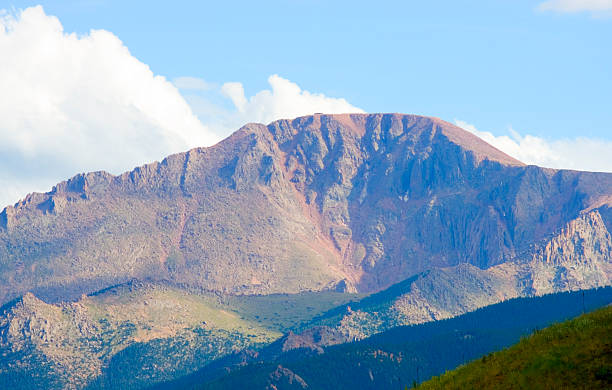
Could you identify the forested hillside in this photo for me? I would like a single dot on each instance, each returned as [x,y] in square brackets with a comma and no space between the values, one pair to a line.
[575,354]
[402,355]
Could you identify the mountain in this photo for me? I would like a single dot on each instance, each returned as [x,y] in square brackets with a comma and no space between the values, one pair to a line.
[353,202]
[406,354]
[572,355]
[301,233]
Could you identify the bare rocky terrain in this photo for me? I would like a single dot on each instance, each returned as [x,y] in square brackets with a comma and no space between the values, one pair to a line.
[428,218]
[355,202]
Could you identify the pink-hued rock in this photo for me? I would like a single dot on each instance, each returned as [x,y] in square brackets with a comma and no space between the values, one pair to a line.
[353,202]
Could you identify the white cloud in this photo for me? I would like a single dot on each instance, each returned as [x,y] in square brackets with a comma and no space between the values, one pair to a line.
[72,103]
[227,108]
[597,7]
[285,100]
[584,154]
[235,91]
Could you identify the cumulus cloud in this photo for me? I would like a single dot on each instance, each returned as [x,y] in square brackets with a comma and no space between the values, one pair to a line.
[579,153]
[597,7]
[284,99]
[72,103]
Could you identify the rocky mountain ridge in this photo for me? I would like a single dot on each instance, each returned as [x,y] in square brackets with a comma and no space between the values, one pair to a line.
[349,202]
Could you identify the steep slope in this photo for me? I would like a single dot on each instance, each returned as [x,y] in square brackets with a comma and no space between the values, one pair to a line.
[576,354]
[344,202]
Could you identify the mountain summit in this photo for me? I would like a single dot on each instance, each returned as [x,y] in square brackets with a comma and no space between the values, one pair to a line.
[353,202]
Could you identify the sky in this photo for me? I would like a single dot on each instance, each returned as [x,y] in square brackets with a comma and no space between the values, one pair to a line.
[108,85]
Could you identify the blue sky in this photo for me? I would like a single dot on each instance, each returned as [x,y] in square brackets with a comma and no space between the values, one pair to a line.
[511,70]
[494,63]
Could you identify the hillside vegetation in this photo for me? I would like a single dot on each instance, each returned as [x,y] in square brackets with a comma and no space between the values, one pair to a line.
[401,355]
[137,334]
[575,354]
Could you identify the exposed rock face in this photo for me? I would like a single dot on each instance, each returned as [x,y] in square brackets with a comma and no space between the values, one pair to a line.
[312,339]
[577,256]
[346,202]
[283,378]
[35,336]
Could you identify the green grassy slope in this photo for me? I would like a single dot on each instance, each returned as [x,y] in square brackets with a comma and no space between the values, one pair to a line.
[285,312]
[576,354]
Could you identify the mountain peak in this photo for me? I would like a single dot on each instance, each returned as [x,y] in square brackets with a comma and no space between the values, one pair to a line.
[404,125]
[352,202]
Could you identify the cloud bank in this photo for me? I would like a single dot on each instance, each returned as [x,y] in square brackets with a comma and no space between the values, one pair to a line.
[72,104]
[579,153]
[596,7]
